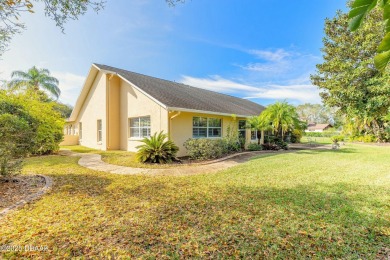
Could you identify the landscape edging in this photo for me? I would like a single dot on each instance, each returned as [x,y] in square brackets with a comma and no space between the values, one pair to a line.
[29,198]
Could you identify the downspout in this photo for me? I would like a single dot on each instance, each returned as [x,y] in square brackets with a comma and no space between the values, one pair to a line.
[170,122]
[108,111]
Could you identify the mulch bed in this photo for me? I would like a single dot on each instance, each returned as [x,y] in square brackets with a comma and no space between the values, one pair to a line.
[18,188]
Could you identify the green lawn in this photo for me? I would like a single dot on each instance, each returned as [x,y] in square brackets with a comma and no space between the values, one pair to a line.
[316,140]
[313,204]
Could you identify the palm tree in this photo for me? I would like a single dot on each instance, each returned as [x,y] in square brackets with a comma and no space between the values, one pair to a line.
[281,116]
[35,79]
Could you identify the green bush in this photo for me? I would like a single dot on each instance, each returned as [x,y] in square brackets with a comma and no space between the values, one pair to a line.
[254,147]
[363,138]
[48,122]
[296,136]
[17,132]
[157,150]
[269,146]
[337,138]
[204,149]
[369,138]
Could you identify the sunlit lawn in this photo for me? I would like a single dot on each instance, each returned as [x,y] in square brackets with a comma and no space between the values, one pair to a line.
[316,140]
[313,204]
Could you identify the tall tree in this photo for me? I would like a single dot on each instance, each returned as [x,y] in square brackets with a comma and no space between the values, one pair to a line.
[318,113]
[360,9]
[35,79]
[348,78]
[282,117]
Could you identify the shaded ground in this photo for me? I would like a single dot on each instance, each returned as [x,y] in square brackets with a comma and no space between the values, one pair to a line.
[19,188]
[306,204]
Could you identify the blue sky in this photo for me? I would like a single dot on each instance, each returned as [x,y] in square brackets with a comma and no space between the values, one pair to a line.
[263,50]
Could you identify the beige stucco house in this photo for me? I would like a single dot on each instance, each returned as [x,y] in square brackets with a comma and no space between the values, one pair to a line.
[117,108]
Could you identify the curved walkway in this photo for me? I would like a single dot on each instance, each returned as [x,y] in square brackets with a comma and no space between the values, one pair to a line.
[94,162]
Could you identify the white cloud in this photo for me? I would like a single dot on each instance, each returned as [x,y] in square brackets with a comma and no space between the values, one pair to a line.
[301,93]
[216,83]
[273,56]
[274,67]
[70,85]
[292,92]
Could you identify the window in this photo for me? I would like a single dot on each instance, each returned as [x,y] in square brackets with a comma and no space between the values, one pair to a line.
[241,128]
[70,130]
[206,127]
[80,130]
[139,127]
[99,130]
[254,135]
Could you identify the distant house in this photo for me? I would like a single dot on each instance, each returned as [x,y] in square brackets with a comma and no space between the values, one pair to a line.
[313,127]
[117,108]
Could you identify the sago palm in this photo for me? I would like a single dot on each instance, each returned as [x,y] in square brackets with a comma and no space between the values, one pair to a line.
[157,150]
[35,79]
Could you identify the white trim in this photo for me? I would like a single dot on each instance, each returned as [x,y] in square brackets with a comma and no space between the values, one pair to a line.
[203,112]
[77,107]
[133,85]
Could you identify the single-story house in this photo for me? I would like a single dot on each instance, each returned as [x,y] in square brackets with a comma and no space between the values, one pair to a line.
[313,127]
[118,108]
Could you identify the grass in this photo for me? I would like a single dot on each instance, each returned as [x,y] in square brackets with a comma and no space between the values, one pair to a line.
[308,204]
[316,140]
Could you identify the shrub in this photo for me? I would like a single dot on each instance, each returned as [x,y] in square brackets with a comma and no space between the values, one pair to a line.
[369,138]
[17,131]
[296,136]
[269,146]
[337,138]
[204,149]
[254,147]
[47,122]
[281,145]
[156,150]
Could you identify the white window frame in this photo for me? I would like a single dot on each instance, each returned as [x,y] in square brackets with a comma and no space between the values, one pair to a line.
[207,127]
[99,132]
[254,131]
[139,127]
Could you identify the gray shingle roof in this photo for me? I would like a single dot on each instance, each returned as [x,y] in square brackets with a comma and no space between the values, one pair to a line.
[179,95]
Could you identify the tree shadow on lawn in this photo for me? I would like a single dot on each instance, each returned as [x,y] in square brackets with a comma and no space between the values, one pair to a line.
[176,217]
[262,221]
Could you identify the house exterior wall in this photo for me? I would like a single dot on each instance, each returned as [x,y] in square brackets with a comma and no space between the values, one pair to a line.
[181,127]
[134,103]
[94,108]
[70,140]
[113,120]
[114,101]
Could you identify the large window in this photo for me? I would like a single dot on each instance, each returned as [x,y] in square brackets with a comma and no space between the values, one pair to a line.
[80,130]
[206,127]
[139,127]
[99,130]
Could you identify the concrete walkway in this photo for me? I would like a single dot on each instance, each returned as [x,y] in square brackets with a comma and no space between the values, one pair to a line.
[94,162]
